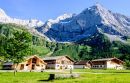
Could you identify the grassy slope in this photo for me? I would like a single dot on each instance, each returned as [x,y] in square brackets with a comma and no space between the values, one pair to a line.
[128,40]
[40,50]
[4,28]
[71,51]
[97,46]
[111,76]
[85,45]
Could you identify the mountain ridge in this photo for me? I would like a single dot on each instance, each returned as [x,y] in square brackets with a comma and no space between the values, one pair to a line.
[95,19]
[72,27]
[30,23]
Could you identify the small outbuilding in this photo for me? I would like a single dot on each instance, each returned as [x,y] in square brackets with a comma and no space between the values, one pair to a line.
[8,66]
[86,64]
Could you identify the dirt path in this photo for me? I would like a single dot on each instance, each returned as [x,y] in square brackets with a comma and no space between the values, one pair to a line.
[60,71]
[33,71]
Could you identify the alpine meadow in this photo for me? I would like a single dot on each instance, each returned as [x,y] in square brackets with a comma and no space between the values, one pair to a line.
[95,35]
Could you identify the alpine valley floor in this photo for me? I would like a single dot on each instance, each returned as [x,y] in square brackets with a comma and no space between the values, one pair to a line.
[88,76]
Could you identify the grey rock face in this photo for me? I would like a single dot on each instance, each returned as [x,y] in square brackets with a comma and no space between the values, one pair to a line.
[95,19]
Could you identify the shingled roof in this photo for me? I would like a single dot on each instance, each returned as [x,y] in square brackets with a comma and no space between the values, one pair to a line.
[56,57]
[82,62]
[8,63]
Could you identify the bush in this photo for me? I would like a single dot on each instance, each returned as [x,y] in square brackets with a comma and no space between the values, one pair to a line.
[72,77]
[60,78]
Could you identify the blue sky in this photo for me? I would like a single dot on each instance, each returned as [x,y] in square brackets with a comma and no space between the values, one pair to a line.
[51,9]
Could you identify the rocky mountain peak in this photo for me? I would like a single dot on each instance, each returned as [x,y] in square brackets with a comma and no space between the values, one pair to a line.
[98,5]
[101,14]
[61,19]
[31,23]
[95,19]
[64,16]
[95,8]
[2,13]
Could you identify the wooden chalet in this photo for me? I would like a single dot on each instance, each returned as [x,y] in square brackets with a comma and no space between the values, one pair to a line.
[59,62]
[31,63]
[107,63]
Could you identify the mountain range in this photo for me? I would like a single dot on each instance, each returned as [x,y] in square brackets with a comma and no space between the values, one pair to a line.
[72,27]
[31,23]
[85,36]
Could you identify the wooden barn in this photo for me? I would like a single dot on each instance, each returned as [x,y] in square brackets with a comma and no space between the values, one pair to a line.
[107,63]
[86,64]
[31,63]
[59,62]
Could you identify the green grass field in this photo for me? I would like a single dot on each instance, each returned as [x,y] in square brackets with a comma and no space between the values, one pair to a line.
[88,76]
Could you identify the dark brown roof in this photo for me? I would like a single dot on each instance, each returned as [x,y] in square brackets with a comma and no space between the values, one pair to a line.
[82,62]
[56,57]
